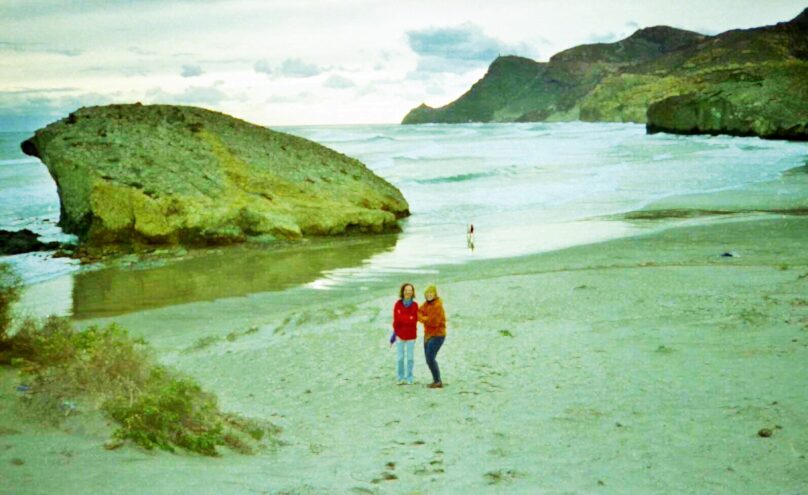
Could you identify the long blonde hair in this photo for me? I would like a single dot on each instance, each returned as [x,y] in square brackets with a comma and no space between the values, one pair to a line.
[431,288]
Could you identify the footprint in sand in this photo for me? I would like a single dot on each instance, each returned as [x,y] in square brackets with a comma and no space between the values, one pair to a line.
[501,476]
[437,464]
[498,452]
[433,467]
[386,476]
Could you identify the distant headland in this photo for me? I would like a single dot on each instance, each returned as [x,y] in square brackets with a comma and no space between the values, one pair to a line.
[745,82]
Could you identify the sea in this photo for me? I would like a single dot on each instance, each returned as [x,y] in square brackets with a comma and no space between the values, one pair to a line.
[526,188]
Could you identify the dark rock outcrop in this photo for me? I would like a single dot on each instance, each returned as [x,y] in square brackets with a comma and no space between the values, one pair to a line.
[137,174]
[23,241]
[718,113]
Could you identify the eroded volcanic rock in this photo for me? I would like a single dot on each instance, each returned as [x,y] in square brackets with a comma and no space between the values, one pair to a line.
[159,174]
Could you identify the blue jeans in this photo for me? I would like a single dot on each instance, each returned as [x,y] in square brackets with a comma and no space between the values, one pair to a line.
[405,347]
[431,349]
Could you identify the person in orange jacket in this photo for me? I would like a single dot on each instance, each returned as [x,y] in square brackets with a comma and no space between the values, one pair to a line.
[405,331]
[432,316]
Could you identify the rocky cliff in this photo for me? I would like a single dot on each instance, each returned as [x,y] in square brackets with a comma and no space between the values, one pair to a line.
[519,89]
[755,78]
[743,83]
[156,174]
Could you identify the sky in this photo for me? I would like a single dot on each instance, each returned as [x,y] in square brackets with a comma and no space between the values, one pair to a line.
[306,62]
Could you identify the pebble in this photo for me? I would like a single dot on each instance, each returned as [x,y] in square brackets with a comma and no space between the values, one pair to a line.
[113,444]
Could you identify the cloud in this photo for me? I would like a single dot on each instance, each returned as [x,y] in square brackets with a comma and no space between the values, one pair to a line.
[38,48]
[291,67]
[459,50]
[262,67]
[26,9]
[338,82]
[604,38]
[628,29]
[294,67]
[191,71]
[58,102]
[455,49]
[466,42]
[296,98]
[140,51]
[33,91]
[142,70]
[193,95]
[53,102]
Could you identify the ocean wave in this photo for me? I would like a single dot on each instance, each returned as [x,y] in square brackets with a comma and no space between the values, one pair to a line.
[328,138]
[415,157]
[456,178]
[40,266]
[539,127]
[16,161]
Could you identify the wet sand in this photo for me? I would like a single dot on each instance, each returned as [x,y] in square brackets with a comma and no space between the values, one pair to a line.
[639,365]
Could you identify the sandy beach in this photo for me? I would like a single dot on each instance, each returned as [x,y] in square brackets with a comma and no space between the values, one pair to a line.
[645,364]
[209,210]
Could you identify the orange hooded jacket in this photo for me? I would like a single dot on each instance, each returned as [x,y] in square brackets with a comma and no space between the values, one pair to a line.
[432,316]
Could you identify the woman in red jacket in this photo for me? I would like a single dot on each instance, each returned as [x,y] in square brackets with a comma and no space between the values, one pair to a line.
[405,328]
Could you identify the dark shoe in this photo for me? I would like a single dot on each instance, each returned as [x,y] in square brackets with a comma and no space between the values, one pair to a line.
[435,385]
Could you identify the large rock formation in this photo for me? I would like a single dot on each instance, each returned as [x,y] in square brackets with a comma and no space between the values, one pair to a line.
[743,110]
[755,79]
[159,174]
[759,86]
[519,89]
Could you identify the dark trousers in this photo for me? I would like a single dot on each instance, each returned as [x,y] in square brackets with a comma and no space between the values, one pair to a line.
[431,349]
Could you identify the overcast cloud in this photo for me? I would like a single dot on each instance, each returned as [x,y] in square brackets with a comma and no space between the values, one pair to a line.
[308,62]
[191,71]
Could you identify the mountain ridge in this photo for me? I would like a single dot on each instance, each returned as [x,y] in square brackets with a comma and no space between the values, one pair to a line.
[620,81]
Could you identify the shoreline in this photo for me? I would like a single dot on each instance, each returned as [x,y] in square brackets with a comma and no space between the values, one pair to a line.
[120,286]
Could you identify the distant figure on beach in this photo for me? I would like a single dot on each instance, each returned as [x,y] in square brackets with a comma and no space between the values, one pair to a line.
[405,331]
[434,320]
[470,237]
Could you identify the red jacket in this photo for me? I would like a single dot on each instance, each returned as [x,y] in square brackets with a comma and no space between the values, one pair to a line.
[405,320]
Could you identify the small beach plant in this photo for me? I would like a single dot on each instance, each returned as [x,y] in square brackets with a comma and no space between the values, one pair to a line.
[10,286]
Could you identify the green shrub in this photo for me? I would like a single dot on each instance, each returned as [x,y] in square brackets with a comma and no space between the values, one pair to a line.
[99,361]
[170,411]
[173,411]
[106,368]
[10,287]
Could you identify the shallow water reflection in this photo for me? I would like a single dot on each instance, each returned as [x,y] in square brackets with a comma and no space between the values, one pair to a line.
[216,274]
